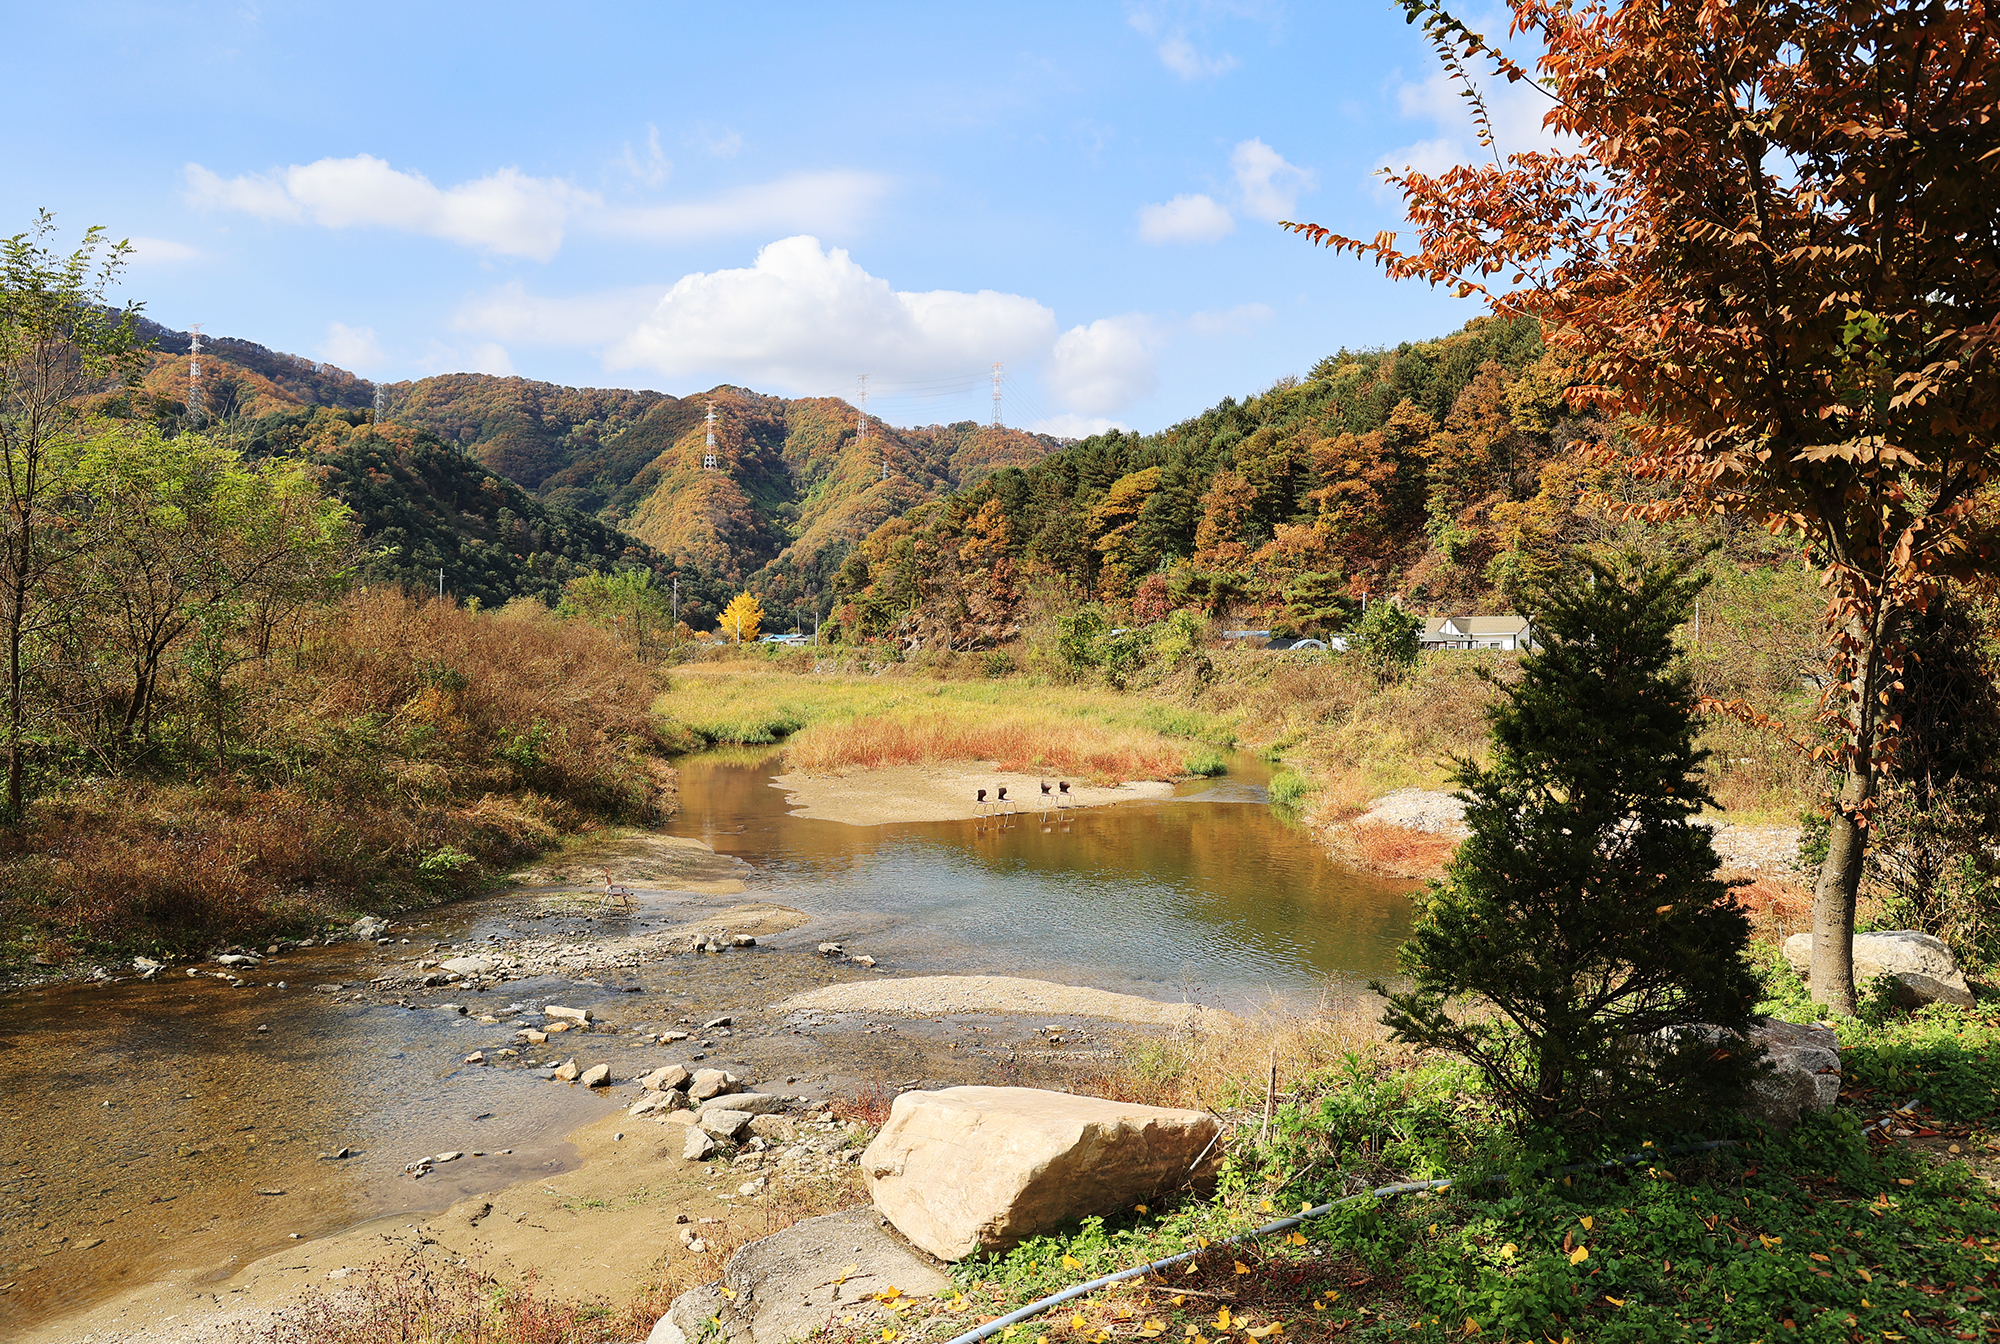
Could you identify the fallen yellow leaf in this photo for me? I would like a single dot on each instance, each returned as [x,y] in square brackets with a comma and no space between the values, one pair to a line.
[1222,1319]
[1587,1221]
[1191,1267]
[729,1293]
[1179,1298]
[1864,1276]
[888,1335]
[1141,1208]
[1264,1207]
[1266,1331]
[1661,909]
[1579,1255]
[1296,1239]
[1076,1322]
[1071,1262]
[1614,1301]
[1509,1251]
[1242,1268]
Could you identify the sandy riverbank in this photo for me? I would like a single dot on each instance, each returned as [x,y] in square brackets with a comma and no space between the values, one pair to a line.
[939,793]
[943,995]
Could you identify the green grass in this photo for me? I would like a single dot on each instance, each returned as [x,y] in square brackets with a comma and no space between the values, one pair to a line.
[1819,1235]
[741,702]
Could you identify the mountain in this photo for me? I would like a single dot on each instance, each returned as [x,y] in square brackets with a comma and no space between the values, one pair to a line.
[794,487]
[1446,471]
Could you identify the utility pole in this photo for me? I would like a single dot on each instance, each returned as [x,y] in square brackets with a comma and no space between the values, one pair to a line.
[197,409]
[440,584]
[381,403]
[996,395]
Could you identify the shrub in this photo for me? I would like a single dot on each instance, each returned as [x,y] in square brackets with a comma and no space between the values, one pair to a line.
[1388,640]
[1205,763]
[1287,788]
[1582,910]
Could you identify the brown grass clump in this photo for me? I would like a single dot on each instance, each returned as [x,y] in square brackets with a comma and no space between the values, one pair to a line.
[416,1300]
[394,751]
[1225,1071]
[1395,850]
[1017,742]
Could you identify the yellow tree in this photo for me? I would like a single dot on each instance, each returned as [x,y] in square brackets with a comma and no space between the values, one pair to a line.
[741,617]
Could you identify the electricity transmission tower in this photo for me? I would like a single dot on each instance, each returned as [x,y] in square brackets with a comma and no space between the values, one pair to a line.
[710,459]
[196,408]
[996,395]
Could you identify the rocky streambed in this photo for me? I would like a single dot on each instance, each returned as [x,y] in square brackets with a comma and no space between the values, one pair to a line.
[188,1141]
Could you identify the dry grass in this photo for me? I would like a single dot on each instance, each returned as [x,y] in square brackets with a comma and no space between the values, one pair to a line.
[1223,1072]
[387,757]
[1017,741]
[1395,850]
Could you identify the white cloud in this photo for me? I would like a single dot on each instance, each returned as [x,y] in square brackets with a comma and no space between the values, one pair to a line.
[351,347]
[160,252]
[1174,48]
[510,313]
[809,319]
[1103,367]
[654,169]
[512,214]
[722,142]
[506,212]
[1185,219]
[834,201]
[1516,110]
[1238,321]
[1076,426]
[1270,187]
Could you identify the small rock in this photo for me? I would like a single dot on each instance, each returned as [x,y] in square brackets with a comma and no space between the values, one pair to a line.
[234,959]
[753,1187]
[468,966]
[724,1124]
[717,1022]
[831,949]
[458,1008]
[655,1102]
[335,1157]
[750,1103]
[597,1075]
[476,1057]
[533,1037]
[448,1157]
[697,1246]
[368,928]
[566,1071]
[708,1083]
[669,1037]
[698,1146]
[862,961]
[666,1078]
[577,1015]
[742,940]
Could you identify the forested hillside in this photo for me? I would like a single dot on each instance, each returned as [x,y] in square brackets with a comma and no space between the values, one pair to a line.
[1448,472]
[795,488]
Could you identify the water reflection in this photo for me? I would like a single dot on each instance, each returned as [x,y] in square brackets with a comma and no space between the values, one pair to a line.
[1210,893]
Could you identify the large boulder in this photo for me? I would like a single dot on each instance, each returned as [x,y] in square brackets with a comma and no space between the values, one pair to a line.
[472,966]
[1804,1074]
[796,1283]
[970,1169]
[1923,967]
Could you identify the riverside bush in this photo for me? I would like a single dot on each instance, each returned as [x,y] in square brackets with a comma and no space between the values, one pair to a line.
[1580,924]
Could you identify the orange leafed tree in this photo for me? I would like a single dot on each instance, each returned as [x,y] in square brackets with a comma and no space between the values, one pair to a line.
[1769,239]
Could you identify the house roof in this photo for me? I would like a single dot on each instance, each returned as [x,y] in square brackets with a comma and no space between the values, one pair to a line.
[1490,625]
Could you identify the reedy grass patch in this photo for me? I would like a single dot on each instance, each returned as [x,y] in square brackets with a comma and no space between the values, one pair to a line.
[833,723]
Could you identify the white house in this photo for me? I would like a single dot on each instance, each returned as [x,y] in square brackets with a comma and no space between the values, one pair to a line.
[1478,632]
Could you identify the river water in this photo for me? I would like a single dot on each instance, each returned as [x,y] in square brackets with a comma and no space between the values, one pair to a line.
[158,1129]
[1211,895]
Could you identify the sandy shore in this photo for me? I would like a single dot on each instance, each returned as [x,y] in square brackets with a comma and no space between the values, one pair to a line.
[937,793]
[934,995]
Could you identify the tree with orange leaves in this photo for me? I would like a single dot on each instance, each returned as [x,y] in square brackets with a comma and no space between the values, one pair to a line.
[1770,240]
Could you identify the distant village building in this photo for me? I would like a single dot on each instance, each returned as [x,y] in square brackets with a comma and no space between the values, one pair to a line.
[1478,632]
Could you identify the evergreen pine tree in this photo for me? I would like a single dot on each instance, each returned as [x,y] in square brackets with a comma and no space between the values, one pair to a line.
[1581,921]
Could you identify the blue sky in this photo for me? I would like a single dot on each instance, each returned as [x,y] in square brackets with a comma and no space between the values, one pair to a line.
[782,196]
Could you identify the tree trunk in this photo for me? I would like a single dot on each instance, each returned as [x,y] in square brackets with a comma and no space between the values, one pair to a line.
[1834,892]
[17,618]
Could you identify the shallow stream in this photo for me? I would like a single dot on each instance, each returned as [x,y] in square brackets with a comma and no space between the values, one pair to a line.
[175,1128]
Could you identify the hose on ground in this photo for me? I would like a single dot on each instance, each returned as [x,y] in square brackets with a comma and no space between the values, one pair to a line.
[1033,1309]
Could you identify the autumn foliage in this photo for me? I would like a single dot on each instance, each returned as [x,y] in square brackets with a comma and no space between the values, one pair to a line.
[1766,245]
